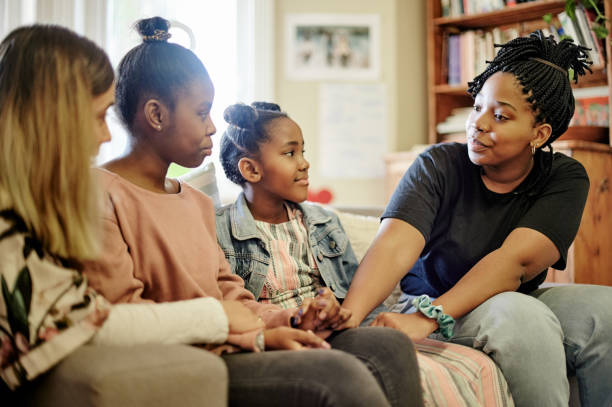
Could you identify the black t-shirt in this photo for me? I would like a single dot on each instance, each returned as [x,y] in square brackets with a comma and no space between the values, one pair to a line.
[442,195]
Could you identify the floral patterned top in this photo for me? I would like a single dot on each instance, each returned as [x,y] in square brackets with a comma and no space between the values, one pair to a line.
[46,308]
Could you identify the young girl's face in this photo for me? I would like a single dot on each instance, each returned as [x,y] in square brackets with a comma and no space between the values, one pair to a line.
[284,168]
[191,127]
[501,125]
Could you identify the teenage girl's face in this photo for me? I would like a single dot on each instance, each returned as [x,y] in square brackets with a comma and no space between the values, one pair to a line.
[189,136]
[501,124]
[100,105]
[284,168]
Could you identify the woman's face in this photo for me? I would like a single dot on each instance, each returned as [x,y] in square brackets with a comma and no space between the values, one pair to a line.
[501,125]
[189,139]
[101,103]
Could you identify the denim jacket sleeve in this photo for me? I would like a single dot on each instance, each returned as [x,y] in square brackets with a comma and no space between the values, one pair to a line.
[331,248]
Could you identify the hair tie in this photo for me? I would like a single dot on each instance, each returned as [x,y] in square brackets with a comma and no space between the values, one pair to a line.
[158,35]
[446,323]
[549,64]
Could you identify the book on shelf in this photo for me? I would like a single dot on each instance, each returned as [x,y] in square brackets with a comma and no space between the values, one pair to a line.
[580,30]
[592,107]
[455,122]
[454,60]
[590,39]
[457,8]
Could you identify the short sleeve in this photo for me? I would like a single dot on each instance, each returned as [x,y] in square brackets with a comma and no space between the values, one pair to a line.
[417,198]
[557,210]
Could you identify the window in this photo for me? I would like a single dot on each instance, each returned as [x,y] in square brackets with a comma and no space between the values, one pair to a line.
[234,39]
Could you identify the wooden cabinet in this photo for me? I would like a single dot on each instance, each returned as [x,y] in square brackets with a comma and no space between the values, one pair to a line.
[590,256]
[442,97]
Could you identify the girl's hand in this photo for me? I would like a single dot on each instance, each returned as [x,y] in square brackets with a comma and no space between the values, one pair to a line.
[240,318]
[293,339]
[417,326]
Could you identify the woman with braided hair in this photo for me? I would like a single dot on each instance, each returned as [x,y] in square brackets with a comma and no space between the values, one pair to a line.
[472,229]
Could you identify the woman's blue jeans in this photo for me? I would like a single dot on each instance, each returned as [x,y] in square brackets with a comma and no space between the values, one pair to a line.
[541,338]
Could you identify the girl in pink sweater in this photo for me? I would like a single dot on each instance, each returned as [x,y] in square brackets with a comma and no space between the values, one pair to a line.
[161,246]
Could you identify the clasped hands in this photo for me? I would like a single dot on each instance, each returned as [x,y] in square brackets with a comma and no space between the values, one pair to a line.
[315,318]
[320,314]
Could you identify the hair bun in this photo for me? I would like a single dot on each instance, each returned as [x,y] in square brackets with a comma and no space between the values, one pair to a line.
[154,29]
[240,115]
[266,106]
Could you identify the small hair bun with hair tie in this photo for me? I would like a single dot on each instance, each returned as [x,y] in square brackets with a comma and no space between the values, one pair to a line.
[266,106]
[154,29]
[240,115]
[157,36]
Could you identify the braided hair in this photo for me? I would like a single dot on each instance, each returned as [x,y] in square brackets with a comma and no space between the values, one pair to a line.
[155,68]
[247,130]
[540,65]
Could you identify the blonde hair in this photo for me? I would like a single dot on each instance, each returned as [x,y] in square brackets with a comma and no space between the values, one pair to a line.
[48,78]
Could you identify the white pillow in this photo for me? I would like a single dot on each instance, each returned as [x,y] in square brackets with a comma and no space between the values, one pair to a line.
[203,178]
[360,230]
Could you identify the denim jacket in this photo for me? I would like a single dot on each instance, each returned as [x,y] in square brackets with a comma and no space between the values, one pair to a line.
[249,256]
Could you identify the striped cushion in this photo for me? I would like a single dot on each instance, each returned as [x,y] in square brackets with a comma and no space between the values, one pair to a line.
[456,375]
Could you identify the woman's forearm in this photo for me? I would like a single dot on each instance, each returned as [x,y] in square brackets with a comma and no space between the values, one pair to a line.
[523,255]
[200,320]
[492,275]
[393,252]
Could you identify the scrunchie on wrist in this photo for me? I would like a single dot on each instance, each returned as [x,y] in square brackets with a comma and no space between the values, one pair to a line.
[446,323]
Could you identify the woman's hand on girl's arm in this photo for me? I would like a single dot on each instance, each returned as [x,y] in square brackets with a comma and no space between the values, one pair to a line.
[416,325]
[395,249]
[292,339]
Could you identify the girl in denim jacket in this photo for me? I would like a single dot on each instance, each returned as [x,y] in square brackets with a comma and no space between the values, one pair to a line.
[287,251]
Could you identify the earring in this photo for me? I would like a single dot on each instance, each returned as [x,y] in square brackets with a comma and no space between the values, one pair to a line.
[159,127]
[533,148]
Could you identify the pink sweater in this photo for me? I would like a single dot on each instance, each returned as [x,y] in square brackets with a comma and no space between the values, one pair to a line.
[163,247]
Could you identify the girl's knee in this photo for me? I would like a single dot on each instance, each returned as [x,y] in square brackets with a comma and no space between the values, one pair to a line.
[376,342]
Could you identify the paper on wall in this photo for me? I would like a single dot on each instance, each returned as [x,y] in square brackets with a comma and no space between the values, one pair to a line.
[352,130]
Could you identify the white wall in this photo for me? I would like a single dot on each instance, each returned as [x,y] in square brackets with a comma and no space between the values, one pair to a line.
[403,71]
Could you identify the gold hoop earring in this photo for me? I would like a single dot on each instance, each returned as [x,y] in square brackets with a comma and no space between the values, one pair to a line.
[533,149]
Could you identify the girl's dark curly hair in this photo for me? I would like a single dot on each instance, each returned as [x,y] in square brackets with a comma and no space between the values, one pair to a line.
[540,65]
[247,130]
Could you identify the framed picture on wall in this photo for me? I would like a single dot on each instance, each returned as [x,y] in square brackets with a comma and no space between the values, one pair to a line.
[332,46]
